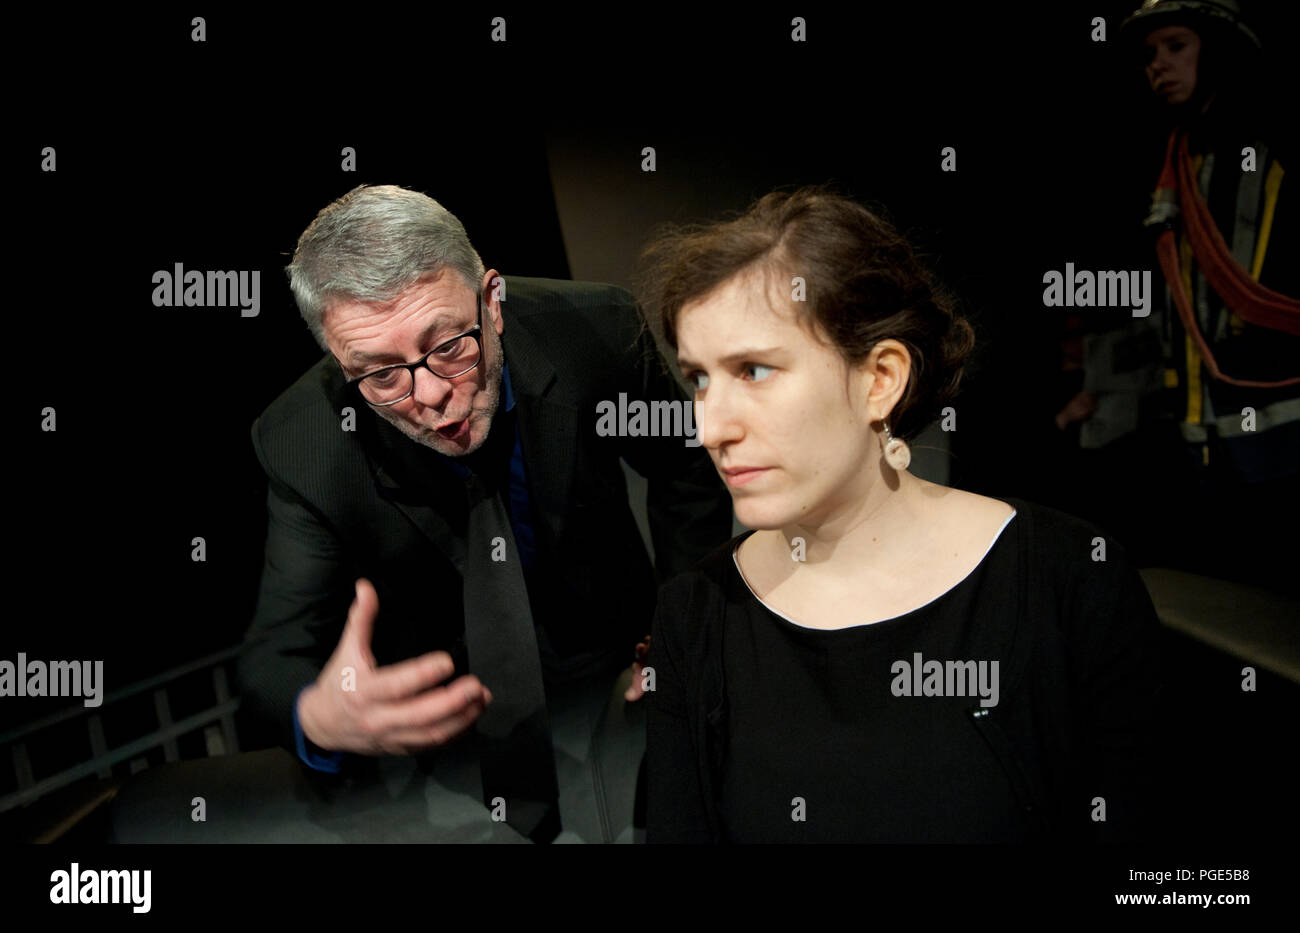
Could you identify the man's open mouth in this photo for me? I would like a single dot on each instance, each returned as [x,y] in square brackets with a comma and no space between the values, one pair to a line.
[453,430]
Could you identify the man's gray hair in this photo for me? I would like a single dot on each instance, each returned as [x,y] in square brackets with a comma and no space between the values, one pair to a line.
[371,245]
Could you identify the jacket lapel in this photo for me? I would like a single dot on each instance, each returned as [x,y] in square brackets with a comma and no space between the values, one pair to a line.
[413,479]
[408,475]
[548,427]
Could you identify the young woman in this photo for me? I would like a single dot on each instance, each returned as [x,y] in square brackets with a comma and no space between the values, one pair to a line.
[882,659]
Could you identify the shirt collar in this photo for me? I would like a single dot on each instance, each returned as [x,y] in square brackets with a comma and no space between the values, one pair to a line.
[505,381]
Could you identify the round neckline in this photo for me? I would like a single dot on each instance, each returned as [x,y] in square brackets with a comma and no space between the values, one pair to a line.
[857,626]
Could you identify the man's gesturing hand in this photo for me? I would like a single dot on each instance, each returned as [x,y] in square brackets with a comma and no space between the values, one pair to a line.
[636,690]
[393,710]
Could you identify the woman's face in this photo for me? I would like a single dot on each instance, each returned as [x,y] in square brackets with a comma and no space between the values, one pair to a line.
[788,434]
[1172,55]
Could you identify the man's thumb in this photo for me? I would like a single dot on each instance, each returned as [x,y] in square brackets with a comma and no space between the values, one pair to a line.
[360,627]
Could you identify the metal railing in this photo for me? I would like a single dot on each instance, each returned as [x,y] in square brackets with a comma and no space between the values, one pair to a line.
[217,721]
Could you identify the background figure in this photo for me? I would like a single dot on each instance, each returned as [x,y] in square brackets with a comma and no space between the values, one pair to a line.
[1151,404]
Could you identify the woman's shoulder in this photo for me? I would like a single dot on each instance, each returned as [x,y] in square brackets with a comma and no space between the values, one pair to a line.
[1054,531]
[972,510]
[690,607]
[1067,561]
[1079,572]
[707,578]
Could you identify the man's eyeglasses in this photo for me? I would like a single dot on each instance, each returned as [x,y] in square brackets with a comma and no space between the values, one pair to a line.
[449,359]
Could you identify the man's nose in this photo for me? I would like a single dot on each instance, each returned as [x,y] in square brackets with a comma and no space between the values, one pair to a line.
[431,390]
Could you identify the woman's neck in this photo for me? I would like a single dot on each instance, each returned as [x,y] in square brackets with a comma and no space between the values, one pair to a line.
[878,521]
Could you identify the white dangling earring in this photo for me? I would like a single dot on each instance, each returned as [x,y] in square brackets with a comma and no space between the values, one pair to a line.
[897,454]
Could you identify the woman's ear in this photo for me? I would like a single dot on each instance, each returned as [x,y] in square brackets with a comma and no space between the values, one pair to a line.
[886,369]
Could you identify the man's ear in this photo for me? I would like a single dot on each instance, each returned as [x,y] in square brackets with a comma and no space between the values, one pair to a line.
[493,288]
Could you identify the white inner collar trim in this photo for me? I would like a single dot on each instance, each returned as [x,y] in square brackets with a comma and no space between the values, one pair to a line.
[978,563]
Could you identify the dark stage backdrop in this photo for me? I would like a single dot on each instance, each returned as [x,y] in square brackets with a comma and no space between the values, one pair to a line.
[216,155]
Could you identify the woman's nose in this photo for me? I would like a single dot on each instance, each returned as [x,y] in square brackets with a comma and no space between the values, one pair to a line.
[716,422]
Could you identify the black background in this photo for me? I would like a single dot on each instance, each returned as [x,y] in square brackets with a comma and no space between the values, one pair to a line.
[218,154]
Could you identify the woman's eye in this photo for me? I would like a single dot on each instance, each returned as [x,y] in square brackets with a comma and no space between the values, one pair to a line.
[698,380]
[760,372]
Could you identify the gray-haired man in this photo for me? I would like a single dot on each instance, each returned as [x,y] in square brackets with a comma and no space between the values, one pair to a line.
[443,511]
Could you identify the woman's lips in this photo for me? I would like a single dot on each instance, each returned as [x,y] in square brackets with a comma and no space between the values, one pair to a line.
[743,476]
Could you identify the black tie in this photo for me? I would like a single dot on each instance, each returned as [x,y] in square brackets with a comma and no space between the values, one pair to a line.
[515,753]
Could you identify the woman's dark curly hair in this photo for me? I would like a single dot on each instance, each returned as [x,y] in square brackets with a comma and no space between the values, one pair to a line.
[863,284]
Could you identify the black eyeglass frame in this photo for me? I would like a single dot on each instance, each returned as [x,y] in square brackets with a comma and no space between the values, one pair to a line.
[476,332]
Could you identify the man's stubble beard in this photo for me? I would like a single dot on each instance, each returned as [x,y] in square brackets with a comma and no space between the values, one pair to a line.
[492,388]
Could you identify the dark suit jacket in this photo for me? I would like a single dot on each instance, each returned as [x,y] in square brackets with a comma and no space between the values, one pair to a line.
[373,503]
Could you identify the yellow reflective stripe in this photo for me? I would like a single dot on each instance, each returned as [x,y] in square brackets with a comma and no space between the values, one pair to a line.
[1271,186]
[1193,355]
[1193,382]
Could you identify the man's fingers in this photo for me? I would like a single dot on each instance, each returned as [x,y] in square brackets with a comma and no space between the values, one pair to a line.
[415,738]
[360,626]
[430,708]
[395,682]
[635,691]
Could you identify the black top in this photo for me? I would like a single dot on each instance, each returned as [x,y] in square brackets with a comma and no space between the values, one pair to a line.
[750,711]
[869,766]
